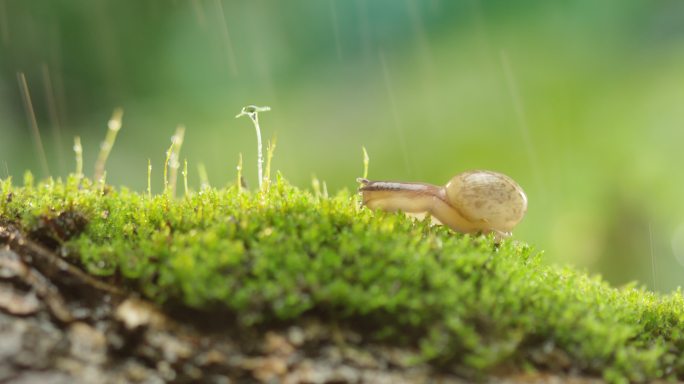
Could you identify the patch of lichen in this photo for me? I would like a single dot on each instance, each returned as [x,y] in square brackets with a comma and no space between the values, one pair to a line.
[280,255]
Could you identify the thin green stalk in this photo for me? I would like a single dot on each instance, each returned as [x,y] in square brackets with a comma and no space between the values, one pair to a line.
[78,151]
[260,155]
[174,157]
[149,179]
[366,162]
[185,176]
[270,150]
[113,127]
[204,178]
[252,111]
[166,169]
[316,186]
[238,182]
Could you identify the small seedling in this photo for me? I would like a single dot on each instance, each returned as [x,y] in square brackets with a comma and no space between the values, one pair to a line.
[166,169]
[78,151]
[316,186]
[204,178]
[172,161]
[238,181]
[149,179]
[366,162]
[185,176]
[270,150]
[113,127]
[252,111]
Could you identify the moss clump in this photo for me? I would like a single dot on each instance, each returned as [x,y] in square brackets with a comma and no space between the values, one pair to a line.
[278,255]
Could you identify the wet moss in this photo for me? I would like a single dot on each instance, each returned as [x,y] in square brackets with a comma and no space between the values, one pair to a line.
[279,255]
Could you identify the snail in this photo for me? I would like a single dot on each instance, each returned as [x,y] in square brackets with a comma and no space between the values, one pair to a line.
[471,202]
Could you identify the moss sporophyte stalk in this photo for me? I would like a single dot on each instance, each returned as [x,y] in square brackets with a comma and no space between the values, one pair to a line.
[282,254]
[252,111]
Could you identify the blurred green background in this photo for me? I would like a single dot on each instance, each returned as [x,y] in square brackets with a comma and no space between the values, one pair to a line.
[581,102]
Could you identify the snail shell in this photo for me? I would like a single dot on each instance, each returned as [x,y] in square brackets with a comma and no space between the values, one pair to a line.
[489,197]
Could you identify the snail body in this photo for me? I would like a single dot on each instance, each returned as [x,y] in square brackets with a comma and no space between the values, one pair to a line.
[471,202]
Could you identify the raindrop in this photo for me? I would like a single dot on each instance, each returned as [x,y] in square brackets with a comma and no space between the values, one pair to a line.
[336,28]
[51,100]
[395,111]
[232,62]
[523,123]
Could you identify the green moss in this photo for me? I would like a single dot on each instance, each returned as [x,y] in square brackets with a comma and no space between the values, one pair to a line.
[276,256]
